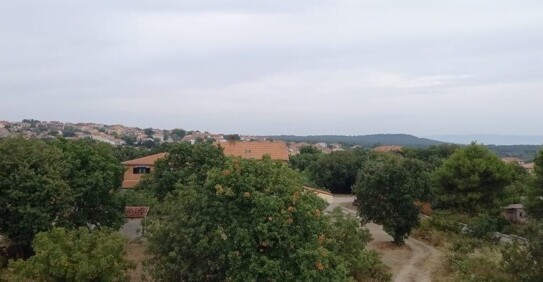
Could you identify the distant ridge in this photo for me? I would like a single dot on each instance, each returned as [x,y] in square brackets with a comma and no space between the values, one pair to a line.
[491,139]
[405,140]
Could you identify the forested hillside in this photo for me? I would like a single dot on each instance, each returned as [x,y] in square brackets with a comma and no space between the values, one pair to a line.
[363,140]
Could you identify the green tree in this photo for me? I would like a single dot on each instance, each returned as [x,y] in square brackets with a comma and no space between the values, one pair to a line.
[149,132]
[534,201]
[75,255]
[232,137]
[337,171]
[34,194]
[178,134]
[184,163]
[472,180]
[95,177]
[525,261]
[350,243]
[387,189]
[138,197]
[69,131]
[149,144]
[249,221]
[129,139]
[307,156]
[432,156]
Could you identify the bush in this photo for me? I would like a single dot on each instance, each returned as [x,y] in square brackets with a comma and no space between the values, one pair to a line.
[447,221]
[478,265]
[75,255]
[483,226]
[464,244]
[428,234]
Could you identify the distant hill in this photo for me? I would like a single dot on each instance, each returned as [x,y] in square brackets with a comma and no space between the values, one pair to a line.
[363,140]
[524,152]
[491,139]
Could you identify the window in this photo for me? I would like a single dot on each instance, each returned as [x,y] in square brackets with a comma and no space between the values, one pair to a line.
[141,170]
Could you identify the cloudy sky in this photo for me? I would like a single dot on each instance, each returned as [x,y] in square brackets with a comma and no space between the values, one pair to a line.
[277,67]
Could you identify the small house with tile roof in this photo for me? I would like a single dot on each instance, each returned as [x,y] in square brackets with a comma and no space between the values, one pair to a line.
[277,150]
[135,169]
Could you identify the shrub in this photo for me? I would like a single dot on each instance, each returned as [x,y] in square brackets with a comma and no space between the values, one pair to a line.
[75,255]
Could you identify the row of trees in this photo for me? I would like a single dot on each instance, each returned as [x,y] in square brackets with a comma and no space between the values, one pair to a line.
[219,218]
[212,217]
[388,186]
[60,208]
[61,183]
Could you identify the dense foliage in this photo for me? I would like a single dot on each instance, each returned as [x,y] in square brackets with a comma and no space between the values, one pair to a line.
[249,221]
[337,171]
[34,193]
[534,201]
[387,188]
[184,163]
[63,184]
[472,180]
[524,152]
[363,140]
[94,175]
[75,255]
[525,261]
[307,156]
[432,156]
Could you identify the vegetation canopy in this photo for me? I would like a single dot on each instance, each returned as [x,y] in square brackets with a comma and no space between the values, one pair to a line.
[251,221]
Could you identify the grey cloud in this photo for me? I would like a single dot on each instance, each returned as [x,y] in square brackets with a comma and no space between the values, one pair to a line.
[306,67]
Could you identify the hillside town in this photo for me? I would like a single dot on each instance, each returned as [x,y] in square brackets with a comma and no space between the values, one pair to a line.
[124,135]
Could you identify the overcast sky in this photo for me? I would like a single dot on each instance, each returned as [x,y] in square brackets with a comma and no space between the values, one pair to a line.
[277,67]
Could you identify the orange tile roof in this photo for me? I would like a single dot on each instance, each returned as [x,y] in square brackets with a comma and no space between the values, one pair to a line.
[149,160]
[136,211]
[256,150]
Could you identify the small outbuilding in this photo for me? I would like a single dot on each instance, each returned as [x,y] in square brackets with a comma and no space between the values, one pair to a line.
[515,213]
[133,228]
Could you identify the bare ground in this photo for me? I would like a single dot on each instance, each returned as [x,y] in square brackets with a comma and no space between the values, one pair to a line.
[414,261]
[135,252]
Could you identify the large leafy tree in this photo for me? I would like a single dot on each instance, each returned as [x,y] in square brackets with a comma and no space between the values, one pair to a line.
[34,194]
[472,179]
[432,156]
[337,171]
[350,243]
[307,156]
[184,163]
[75,255]
[534,202]
[64,183]
[249,221]
[387,189]
[95,177]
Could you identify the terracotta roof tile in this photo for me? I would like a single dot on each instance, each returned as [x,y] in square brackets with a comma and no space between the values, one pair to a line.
[256,150]
[149,160]
[136,212]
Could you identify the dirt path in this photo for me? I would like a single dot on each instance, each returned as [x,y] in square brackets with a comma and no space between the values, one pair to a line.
[423,261]
[415,261]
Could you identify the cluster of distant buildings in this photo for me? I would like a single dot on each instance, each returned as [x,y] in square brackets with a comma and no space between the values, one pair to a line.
[123,135]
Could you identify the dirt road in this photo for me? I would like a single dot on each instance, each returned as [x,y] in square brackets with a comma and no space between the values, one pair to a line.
[415,261]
